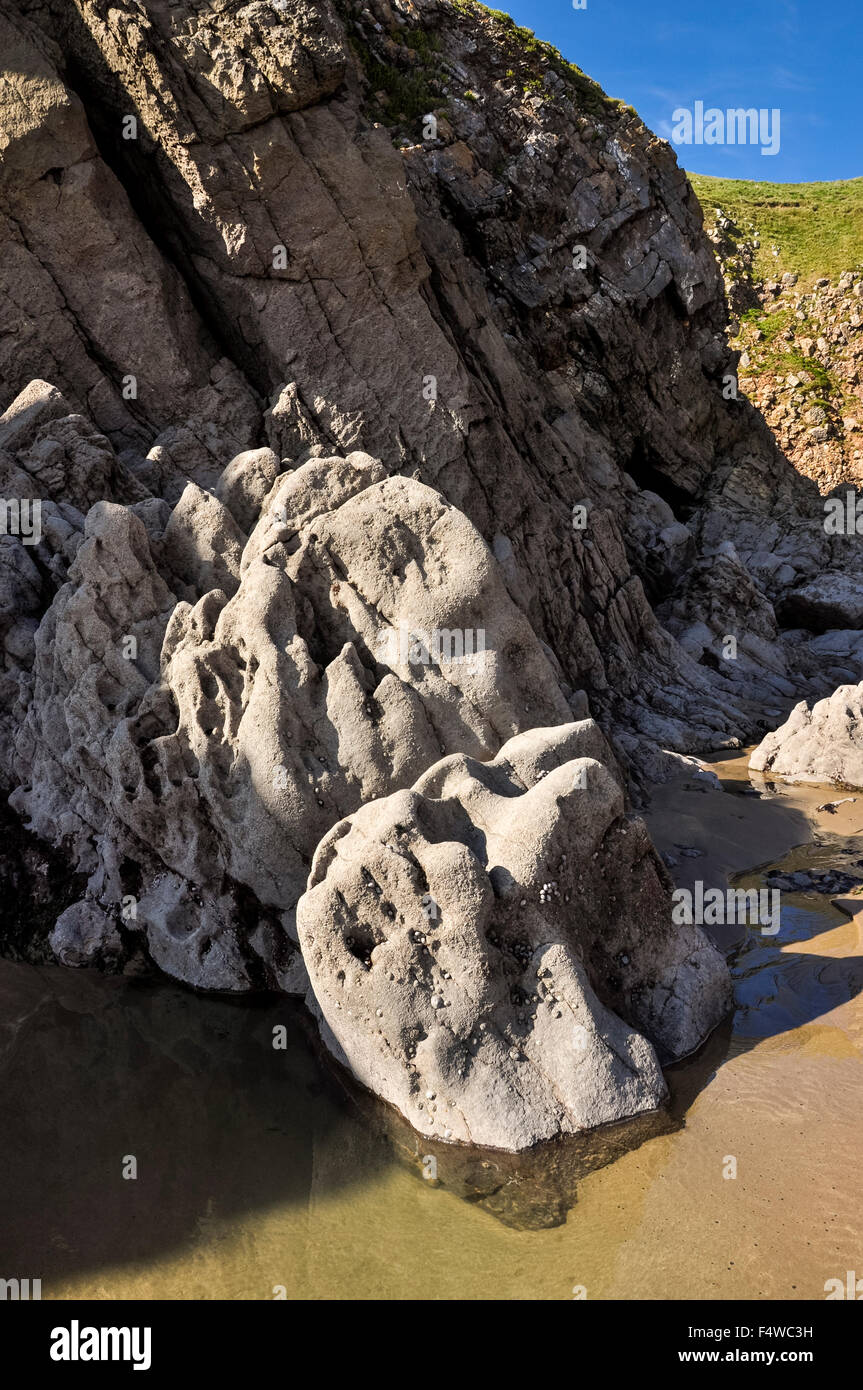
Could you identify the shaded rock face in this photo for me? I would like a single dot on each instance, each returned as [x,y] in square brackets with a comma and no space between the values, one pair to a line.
[491,951]
[826,603]
[821,743]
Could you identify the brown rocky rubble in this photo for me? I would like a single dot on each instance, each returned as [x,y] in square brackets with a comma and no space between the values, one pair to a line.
[811,391]
[289,378]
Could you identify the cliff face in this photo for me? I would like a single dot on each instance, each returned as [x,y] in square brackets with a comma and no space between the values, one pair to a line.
[802,364]
[798,330]
[264,231]
[478,371]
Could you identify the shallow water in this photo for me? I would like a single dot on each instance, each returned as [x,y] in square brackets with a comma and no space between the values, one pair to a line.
[257,1170]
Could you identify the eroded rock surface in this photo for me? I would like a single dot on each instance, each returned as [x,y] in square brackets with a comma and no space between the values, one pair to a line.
[818,743]
[294,236]
[219,737]
[492,952]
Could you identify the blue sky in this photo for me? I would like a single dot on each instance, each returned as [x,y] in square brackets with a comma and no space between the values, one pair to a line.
[803,56]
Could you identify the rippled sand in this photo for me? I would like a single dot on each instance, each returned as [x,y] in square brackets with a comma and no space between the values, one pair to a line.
[257,1171]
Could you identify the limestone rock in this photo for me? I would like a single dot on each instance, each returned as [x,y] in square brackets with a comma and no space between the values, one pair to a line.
[220,739]
[493,950]
[821,743]
[413,299]
[32,408]
[246,482]
[99,313]
[202,545]
[84,933]
[217,650]
[831,600]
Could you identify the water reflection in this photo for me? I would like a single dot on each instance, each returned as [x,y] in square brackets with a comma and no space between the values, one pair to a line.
[778,989]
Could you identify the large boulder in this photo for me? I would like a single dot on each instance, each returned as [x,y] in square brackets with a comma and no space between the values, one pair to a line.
[493,950]
[212,741]
[818,743]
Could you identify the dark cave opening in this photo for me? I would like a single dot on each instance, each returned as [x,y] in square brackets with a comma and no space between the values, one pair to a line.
[644,467]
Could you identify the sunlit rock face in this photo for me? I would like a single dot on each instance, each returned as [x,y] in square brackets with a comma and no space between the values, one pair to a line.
[491,951]
[515,304]
[818,743]
[220,736]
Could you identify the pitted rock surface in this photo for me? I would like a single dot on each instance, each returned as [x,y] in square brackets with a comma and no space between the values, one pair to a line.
[490,951]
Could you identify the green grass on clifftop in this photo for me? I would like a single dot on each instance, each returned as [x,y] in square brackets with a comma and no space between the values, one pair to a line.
[817,227]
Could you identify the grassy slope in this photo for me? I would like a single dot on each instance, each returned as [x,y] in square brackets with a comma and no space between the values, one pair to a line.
[818,227]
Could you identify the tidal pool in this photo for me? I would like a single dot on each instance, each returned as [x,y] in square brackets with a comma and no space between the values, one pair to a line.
[261,1173]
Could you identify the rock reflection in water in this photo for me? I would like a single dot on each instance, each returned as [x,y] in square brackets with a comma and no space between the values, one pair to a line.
[532,1190]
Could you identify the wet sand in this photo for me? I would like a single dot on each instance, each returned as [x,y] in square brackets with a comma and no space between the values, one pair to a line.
[256,1173]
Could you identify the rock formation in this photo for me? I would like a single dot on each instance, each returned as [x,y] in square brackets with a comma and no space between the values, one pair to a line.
[802,365]
[823,743]
[368,367]
[213,739]
[489,949]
